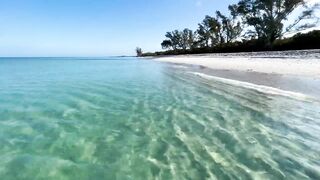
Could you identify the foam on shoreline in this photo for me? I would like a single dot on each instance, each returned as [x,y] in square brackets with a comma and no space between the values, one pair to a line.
[260,88]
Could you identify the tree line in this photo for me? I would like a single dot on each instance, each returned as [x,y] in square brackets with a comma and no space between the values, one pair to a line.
[260,21]
[211,31]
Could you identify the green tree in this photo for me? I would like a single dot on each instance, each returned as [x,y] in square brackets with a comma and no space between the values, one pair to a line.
[188,39]
[267,17]
[203,35]
[175,38]
[179,40]
[231,27]
[209,32]
[166,44]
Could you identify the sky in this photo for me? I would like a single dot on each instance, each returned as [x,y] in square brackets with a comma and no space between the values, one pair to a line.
[95,27]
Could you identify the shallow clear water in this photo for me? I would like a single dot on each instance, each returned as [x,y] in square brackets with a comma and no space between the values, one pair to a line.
[69,118]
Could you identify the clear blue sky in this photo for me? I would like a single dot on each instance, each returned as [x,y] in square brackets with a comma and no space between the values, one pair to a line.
[95,27]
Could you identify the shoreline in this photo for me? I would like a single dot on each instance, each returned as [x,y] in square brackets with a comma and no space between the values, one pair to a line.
[309,67]
[290,74]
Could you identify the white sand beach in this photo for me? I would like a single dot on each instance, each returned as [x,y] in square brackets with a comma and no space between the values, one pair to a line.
[250,62]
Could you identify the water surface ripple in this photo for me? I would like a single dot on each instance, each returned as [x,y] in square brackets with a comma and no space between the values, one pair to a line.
[131,119]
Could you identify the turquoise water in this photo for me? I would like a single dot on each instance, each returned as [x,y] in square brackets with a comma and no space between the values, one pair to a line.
[69,118]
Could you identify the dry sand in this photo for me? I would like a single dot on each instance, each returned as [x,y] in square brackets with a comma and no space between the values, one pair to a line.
[272,65]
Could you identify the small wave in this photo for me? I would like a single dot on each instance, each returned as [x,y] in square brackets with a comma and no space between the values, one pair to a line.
[260,88]
[180,67]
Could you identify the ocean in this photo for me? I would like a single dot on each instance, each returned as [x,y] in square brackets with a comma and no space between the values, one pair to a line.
[127,118]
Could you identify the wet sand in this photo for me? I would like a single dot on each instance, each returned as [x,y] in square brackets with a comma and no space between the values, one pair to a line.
[301,84]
